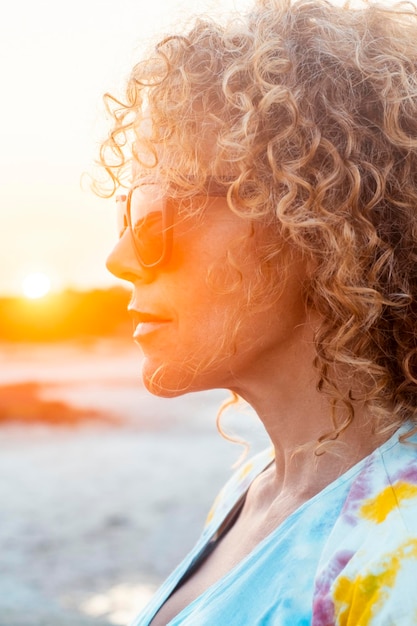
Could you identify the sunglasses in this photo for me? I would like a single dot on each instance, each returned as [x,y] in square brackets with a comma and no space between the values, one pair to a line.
[150,219]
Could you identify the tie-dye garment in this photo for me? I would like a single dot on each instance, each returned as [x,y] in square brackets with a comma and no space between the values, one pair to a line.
[347,557]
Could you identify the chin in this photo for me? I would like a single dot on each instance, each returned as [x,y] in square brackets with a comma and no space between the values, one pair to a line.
[167,381]
[170,380]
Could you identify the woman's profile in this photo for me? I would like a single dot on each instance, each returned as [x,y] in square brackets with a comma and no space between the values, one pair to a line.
[266,180]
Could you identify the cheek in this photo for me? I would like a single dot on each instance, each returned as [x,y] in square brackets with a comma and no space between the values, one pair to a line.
[194,352]
[209,287]
[205,320]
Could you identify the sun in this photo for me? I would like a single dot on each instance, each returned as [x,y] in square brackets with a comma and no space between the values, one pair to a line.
[36,285]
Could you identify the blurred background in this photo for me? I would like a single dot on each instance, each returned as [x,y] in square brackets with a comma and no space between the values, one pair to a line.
[103,487]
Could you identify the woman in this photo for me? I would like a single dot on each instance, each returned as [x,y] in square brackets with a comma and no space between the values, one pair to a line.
[269,233]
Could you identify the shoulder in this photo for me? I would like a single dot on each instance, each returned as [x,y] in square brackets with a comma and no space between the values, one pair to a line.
[368,569]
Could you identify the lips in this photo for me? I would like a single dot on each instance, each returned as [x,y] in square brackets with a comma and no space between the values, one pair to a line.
[145,323]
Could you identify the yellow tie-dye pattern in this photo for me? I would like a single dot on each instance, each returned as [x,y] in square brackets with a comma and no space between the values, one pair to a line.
[245,470]
[212,510]
[358,601]
[377,509]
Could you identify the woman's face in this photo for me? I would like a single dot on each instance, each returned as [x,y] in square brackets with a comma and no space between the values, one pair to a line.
[193,320]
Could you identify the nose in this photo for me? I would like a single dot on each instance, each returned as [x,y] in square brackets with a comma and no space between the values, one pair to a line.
[122,262]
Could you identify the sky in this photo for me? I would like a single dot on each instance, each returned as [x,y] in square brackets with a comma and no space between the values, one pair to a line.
[56,61]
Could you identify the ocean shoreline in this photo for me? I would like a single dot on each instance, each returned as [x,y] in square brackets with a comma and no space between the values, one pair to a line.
[96,514]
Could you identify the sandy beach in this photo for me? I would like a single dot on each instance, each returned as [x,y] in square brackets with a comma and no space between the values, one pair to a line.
[96,512]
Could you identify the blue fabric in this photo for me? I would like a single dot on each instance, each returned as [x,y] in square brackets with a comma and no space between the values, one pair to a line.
[347,557]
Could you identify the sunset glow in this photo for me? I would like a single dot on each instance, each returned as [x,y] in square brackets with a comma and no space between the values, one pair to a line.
[36,285]
[47,152]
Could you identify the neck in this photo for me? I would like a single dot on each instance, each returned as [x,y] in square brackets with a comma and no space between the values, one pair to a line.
[296,415]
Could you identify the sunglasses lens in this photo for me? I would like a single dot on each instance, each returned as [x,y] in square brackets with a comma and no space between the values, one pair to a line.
[147,223]
[149,239]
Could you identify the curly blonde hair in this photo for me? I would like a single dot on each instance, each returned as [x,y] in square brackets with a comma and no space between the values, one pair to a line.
[312,111]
